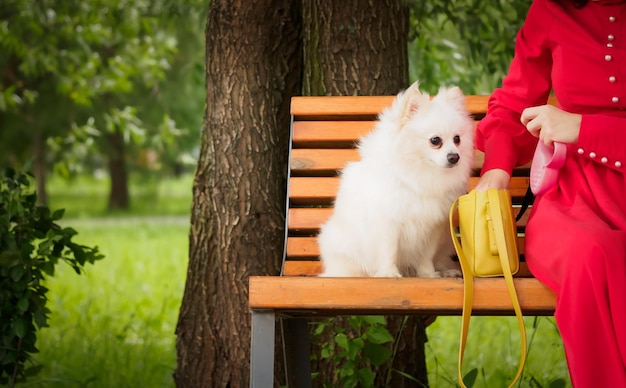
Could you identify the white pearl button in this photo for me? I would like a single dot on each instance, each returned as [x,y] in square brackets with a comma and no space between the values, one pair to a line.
[612,78]
[615,100]
[609,45]
[618,164]
[607,58]
[592,155]
[611,18]
[604,159]
[611,37]
[580,151]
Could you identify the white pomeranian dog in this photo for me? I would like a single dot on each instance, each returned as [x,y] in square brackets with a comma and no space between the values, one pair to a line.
[390,217]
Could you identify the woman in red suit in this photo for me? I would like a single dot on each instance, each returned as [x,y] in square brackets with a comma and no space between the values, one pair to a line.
[576,233]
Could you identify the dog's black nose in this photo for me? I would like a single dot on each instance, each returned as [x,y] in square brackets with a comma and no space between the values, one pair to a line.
[453,158]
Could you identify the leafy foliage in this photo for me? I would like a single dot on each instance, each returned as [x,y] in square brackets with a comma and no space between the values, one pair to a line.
[468,43]
[69,64]
[355,355]
[31,244]
[89,47]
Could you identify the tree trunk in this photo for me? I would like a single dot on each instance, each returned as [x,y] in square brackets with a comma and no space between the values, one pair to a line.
[40,167]
[253,68]
[358,47]
[355,47]
[118,196]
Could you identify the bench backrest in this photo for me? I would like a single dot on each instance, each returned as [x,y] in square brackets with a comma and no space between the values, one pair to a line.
[324,132]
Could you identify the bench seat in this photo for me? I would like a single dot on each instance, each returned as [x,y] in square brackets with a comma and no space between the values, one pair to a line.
[311,296]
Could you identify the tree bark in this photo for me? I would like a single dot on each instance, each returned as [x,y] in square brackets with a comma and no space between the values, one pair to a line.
[119,197]
[40,167]
[355,47]
[254,66]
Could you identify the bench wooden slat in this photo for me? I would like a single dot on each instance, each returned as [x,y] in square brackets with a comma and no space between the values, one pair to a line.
[329,134]
[328,107]
[442,296]
[305,247]
[314,268]
[323,161]
[365,107]
[307,220]
[308,161]
[322,190]
[326,162]
[334,134]
[302,248]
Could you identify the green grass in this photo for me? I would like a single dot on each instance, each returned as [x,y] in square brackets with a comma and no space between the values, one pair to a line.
[493,348]
[114,325]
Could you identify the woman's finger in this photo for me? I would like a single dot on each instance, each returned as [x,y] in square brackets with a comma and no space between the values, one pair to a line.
[529,114]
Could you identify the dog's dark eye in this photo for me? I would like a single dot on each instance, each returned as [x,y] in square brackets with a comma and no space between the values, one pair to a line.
[436,141]
[457,140]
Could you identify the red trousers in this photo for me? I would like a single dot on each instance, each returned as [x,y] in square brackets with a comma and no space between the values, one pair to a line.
[576,245]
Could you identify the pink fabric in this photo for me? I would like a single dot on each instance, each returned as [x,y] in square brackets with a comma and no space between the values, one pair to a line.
[546,165]
[576,234]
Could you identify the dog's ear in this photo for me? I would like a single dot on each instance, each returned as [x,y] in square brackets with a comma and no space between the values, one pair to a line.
[453,95]
[414,99]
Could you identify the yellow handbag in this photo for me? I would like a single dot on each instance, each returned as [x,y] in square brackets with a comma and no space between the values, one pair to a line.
[487,247]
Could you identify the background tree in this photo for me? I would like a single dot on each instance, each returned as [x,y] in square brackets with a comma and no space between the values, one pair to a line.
[76,64]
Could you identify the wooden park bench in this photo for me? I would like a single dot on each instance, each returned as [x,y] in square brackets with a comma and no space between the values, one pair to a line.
[323,135]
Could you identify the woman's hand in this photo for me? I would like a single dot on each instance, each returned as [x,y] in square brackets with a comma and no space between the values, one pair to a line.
[493,179]
[551,124]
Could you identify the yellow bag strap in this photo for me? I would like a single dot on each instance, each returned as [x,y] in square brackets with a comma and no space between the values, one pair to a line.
[508,276]
[468,284]
[468,293]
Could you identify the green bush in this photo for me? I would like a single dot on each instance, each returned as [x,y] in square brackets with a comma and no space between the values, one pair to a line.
[31,244]
[355,354]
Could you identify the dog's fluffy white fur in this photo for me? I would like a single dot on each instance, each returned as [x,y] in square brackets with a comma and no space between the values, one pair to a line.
[390,217]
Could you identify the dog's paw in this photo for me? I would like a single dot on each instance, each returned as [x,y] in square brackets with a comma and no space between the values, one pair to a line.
[434,274]
[388,273]
[451,273]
